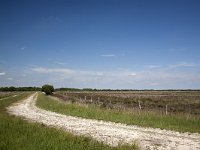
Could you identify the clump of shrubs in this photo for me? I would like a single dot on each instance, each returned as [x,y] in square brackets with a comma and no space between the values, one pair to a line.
[48,89]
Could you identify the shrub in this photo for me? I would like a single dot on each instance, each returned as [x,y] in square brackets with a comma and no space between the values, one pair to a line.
[48,89]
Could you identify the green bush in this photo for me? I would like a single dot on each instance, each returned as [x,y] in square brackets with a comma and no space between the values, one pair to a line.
[48,89]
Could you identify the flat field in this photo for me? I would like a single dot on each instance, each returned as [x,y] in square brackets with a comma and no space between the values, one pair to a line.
[7,94]
[186,102]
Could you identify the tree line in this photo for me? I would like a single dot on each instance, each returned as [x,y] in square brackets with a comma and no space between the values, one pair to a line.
[12,88]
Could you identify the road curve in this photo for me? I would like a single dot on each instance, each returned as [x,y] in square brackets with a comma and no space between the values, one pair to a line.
[107,132]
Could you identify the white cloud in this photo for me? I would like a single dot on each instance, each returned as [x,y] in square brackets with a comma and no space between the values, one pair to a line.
[53,70]
[108,55]
[132,74]
[80,74]
[181,64]
[152,66]
[2,73]
[10,78]
[60,63]
[121,78]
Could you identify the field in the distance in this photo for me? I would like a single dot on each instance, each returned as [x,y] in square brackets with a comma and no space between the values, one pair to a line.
[186,102]
[7,94]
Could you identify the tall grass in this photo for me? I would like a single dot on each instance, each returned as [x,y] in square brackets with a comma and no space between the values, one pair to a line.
[176,122]
[18,134]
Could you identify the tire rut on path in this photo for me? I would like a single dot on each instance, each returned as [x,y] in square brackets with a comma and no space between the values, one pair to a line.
[109,133]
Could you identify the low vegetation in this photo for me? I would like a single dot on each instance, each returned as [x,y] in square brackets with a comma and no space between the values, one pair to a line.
[6,94]
[177,122]
[18,134]
[186,102]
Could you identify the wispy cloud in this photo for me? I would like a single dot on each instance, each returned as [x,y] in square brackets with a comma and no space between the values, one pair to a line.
[108,55]
[132,74]
[2,73]
[59,63]
[120,78]
[181,64]
[52,70]
[10,78]
[66,71]
[151,66]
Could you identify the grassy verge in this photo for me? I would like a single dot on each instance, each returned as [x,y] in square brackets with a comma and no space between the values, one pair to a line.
[170,122]
[18,134]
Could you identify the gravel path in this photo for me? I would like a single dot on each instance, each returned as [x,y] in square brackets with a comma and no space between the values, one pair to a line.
[107,132]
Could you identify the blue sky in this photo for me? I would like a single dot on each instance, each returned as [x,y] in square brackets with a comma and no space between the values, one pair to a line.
[138,44]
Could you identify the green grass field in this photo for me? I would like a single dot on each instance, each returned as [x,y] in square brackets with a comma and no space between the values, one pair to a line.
[18,134]
[176,122]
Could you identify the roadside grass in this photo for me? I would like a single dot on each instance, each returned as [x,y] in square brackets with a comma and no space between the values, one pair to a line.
[19,134]
[176,122]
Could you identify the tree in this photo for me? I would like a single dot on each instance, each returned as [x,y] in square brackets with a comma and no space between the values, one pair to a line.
[48,89]
[12,88]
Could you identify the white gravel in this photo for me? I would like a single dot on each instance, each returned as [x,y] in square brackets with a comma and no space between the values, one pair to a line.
[107,132]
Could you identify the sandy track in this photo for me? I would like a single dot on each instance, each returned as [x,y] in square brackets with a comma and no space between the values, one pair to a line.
[107,132]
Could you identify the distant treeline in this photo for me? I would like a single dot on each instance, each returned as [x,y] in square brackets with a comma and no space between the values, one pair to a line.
[90,89]
[12,88]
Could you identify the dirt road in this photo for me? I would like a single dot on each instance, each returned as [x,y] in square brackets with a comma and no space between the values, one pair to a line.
[107,132]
